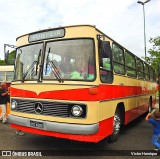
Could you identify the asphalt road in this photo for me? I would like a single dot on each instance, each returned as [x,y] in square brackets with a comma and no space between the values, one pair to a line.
[135,136]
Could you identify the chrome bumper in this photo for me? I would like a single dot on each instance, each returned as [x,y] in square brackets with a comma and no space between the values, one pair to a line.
[55,126]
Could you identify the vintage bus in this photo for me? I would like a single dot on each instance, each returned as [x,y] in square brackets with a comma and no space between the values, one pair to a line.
[77,83]
[6,75]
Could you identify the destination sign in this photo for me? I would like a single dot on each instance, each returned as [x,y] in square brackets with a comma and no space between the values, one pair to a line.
[46,35]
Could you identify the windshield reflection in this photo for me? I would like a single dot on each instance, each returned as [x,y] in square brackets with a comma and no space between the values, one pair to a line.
[27,61]
[74,60]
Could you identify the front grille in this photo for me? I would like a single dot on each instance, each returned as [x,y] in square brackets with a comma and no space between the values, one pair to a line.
[49,108]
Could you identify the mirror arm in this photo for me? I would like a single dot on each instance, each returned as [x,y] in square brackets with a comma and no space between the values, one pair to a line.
[6,53]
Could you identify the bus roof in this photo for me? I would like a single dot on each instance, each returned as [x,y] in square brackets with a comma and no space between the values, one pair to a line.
[93,26]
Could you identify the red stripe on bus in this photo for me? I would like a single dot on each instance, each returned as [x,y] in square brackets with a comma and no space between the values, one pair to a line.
[104,92]
[134,113]
[105,129]
[137,111]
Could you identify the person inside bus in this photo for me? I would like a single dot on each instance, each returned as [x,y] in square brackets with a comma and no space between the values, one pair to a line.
[66,65]
[155,121]
[83,70]
[4,96]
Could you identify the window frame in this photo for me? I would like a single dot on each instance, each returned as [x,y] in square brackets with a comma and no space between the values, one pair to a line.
[120,64]
[146,73]
[129,67]
[142,71]
[152,77]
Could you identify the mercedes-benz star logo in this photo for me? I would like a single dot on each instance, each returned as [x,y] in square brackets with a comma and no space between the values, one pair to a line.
[38,107]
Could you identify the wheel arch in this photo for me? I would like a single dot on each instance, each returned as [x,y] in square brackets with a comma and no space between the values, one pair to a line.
[121,108]
[120,111]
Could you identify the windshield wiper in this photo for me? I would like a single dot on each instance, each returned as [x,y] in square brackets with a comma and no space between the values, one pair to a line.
[38,61]
[56,72]
[47,60]
[31,67]
[55,69]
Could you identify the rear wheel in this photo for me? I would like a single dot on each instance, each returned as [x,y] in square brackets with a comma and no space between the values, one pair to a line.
[116,126]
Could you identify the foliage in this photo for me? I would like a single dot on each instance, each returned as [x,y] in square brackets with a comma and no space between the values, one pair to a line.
[154,59]
[2,62]
[11,57]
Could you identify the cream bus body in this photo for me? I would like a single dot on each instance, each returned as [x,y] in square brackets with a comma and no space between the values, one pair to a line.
[115,94]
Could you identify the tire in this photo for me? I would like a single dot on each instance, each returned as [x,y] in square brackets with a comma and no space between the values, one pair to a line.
[116,127]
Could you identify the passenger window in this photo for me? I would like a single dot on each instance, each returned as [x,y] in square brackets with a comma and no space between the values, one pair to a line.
[140,70]
[118,59]
[151,74]
[146,71]
[130,65]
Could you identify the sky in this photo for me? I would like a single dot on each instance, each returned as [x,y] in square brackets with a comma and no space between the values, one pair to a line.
[122,20]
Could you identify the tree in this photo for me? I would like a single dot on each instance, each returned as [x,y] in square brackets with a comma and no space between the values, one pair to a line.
[2,62]
[11,57]
[154,59]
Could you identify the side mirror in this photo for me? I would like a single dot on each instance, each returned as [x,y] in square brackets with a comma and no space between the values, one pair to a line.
[106,49]
[6,57]
[9,54]
[6,53]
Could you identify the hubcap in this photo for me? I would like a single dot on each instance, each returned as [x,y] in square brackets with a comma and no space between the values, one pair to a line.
[117,123]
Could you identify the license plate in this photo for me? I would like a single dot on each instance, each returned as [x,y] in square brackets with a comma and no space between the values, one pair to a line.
[36,124]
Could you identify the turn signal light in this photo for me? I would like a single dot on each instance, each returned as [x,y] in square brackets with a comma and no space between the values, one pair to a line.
[93,90]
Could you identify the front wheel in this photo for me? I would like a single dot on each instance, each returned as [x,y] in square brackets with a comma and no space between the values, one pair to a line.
[116,126]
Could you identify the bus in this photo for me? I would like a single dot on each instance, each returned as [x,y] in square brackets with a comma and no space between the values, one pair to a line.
[77,83]
[6,75]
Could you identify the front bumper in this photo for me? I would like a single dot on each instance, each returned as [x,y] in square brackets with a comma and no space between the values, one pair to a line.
[55,126]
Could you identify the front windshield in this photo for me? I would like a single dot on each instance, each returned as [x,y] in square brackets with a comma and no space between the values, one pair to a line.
[27,62]
[70,60]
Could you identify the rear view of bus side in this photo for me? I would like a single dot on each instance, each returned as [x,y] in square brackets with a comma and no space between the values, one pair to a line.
[76,83]
[6,74]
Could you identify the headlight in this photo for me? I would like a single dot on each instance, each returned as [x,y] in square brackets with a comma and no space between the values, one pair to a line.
[77,110]
[13,104]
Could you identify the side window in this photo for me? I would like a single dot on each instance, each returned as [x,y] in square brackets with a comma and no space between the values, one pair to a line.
[118,59]
[154,76]
[140,69]
[146,71]
[151,74]
[105,58]
[130,65]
